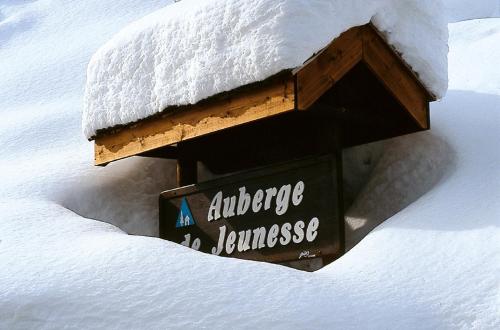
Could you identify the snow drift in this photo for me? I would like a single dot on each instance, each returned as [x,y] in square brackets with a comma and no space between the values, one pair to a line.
[435,264]
[460,10]
[195,49]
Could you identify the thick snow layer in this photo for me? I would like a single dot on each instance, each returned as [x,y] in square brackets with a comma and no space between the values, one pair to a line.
[460,10]
[198,48]
[435,264]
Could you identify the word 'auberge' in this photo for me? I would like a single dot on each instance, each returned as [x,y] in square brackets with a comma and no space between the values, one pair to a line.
[262,200]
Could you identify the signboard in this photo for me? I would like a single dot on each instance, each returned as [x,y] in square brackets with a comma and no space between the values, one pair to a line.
[280,213]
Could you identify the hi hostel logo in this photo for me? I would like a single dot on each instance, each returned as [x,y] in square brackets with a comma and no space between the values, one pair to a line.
[185,217]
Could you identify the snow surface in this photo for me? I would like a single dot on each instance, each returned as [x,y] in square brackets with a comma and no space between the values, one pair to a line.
[433,265]
[460,10]
[198,48]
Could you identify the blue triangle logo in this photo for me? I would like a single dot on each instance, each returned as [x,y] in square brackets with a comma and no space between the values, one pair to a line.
[185,217]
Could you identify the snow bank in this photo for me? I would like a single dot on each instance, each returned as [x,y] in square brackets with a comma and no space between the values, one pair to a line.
[434,265]
[476,40]
[197,48]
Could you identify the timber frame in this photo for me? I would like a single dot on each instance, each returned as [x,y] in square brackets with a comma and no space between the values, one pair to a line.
[321,86]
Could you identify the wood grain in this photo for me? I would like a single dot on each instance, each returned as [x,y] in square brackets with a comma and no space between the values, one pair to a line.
[196,120]
[322,71]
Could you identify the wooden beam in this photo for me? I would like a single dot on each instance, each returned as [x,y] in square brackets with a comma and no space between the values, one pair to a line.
[168,152]
[399,79]
[323,70]
[238,108]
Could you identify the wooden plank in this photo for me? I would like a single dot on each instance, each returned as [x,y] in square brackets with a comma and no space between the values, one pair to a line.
[197,120]
[322,71]
[391,70]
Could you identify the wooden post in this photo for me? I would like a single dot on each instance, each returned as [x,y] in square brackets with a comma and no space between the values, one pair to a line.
[187,174]
[330,134]
[187,170]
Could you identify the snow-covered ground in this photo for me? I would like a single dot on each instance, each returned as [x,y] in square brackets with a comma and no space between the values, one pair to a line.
[435,264]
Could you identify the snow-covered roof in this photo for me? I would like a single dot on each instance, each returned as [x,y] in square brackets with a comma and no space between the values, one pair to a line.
[195,49]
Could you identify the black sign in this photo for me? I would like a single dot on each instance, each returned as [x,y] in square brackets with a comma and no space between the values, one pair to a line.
[280,213]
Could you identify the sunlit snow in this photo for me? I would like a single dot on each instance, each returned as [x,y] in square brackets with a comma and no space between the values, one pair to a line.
[433,265]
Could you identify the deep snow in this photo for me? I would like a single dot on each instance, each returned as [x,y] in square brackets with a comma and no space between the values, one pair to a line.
[432,265]
[459,10]
[195,49]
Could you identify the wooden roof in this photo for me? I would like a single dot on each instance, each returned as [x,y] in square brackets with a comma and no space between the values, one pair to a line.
[289,91]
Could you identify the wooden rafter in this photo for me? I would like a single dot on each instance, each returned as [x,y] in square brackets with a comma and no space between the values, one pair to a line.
[391,70]
[323,70]
[362,44]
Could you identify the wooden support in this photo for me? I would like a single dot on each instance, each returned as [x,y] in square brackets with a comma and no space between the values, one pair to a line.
[391,70]
[187,172]
[362,44]
[322,71]
[330,135]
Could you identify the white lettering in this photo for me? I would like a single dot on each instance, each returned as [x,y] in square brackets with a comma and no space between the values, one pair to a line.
[244,240]
[196,244]
[312,229]
[283,199]
[229,205]
[257,201]
[259,236]
[272,236]
[262,238]
[187,240]
[222,233]
[285,233]
[231,238]
[243,201]
[270,193]
[214,210]
[299,231]
[298,190]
